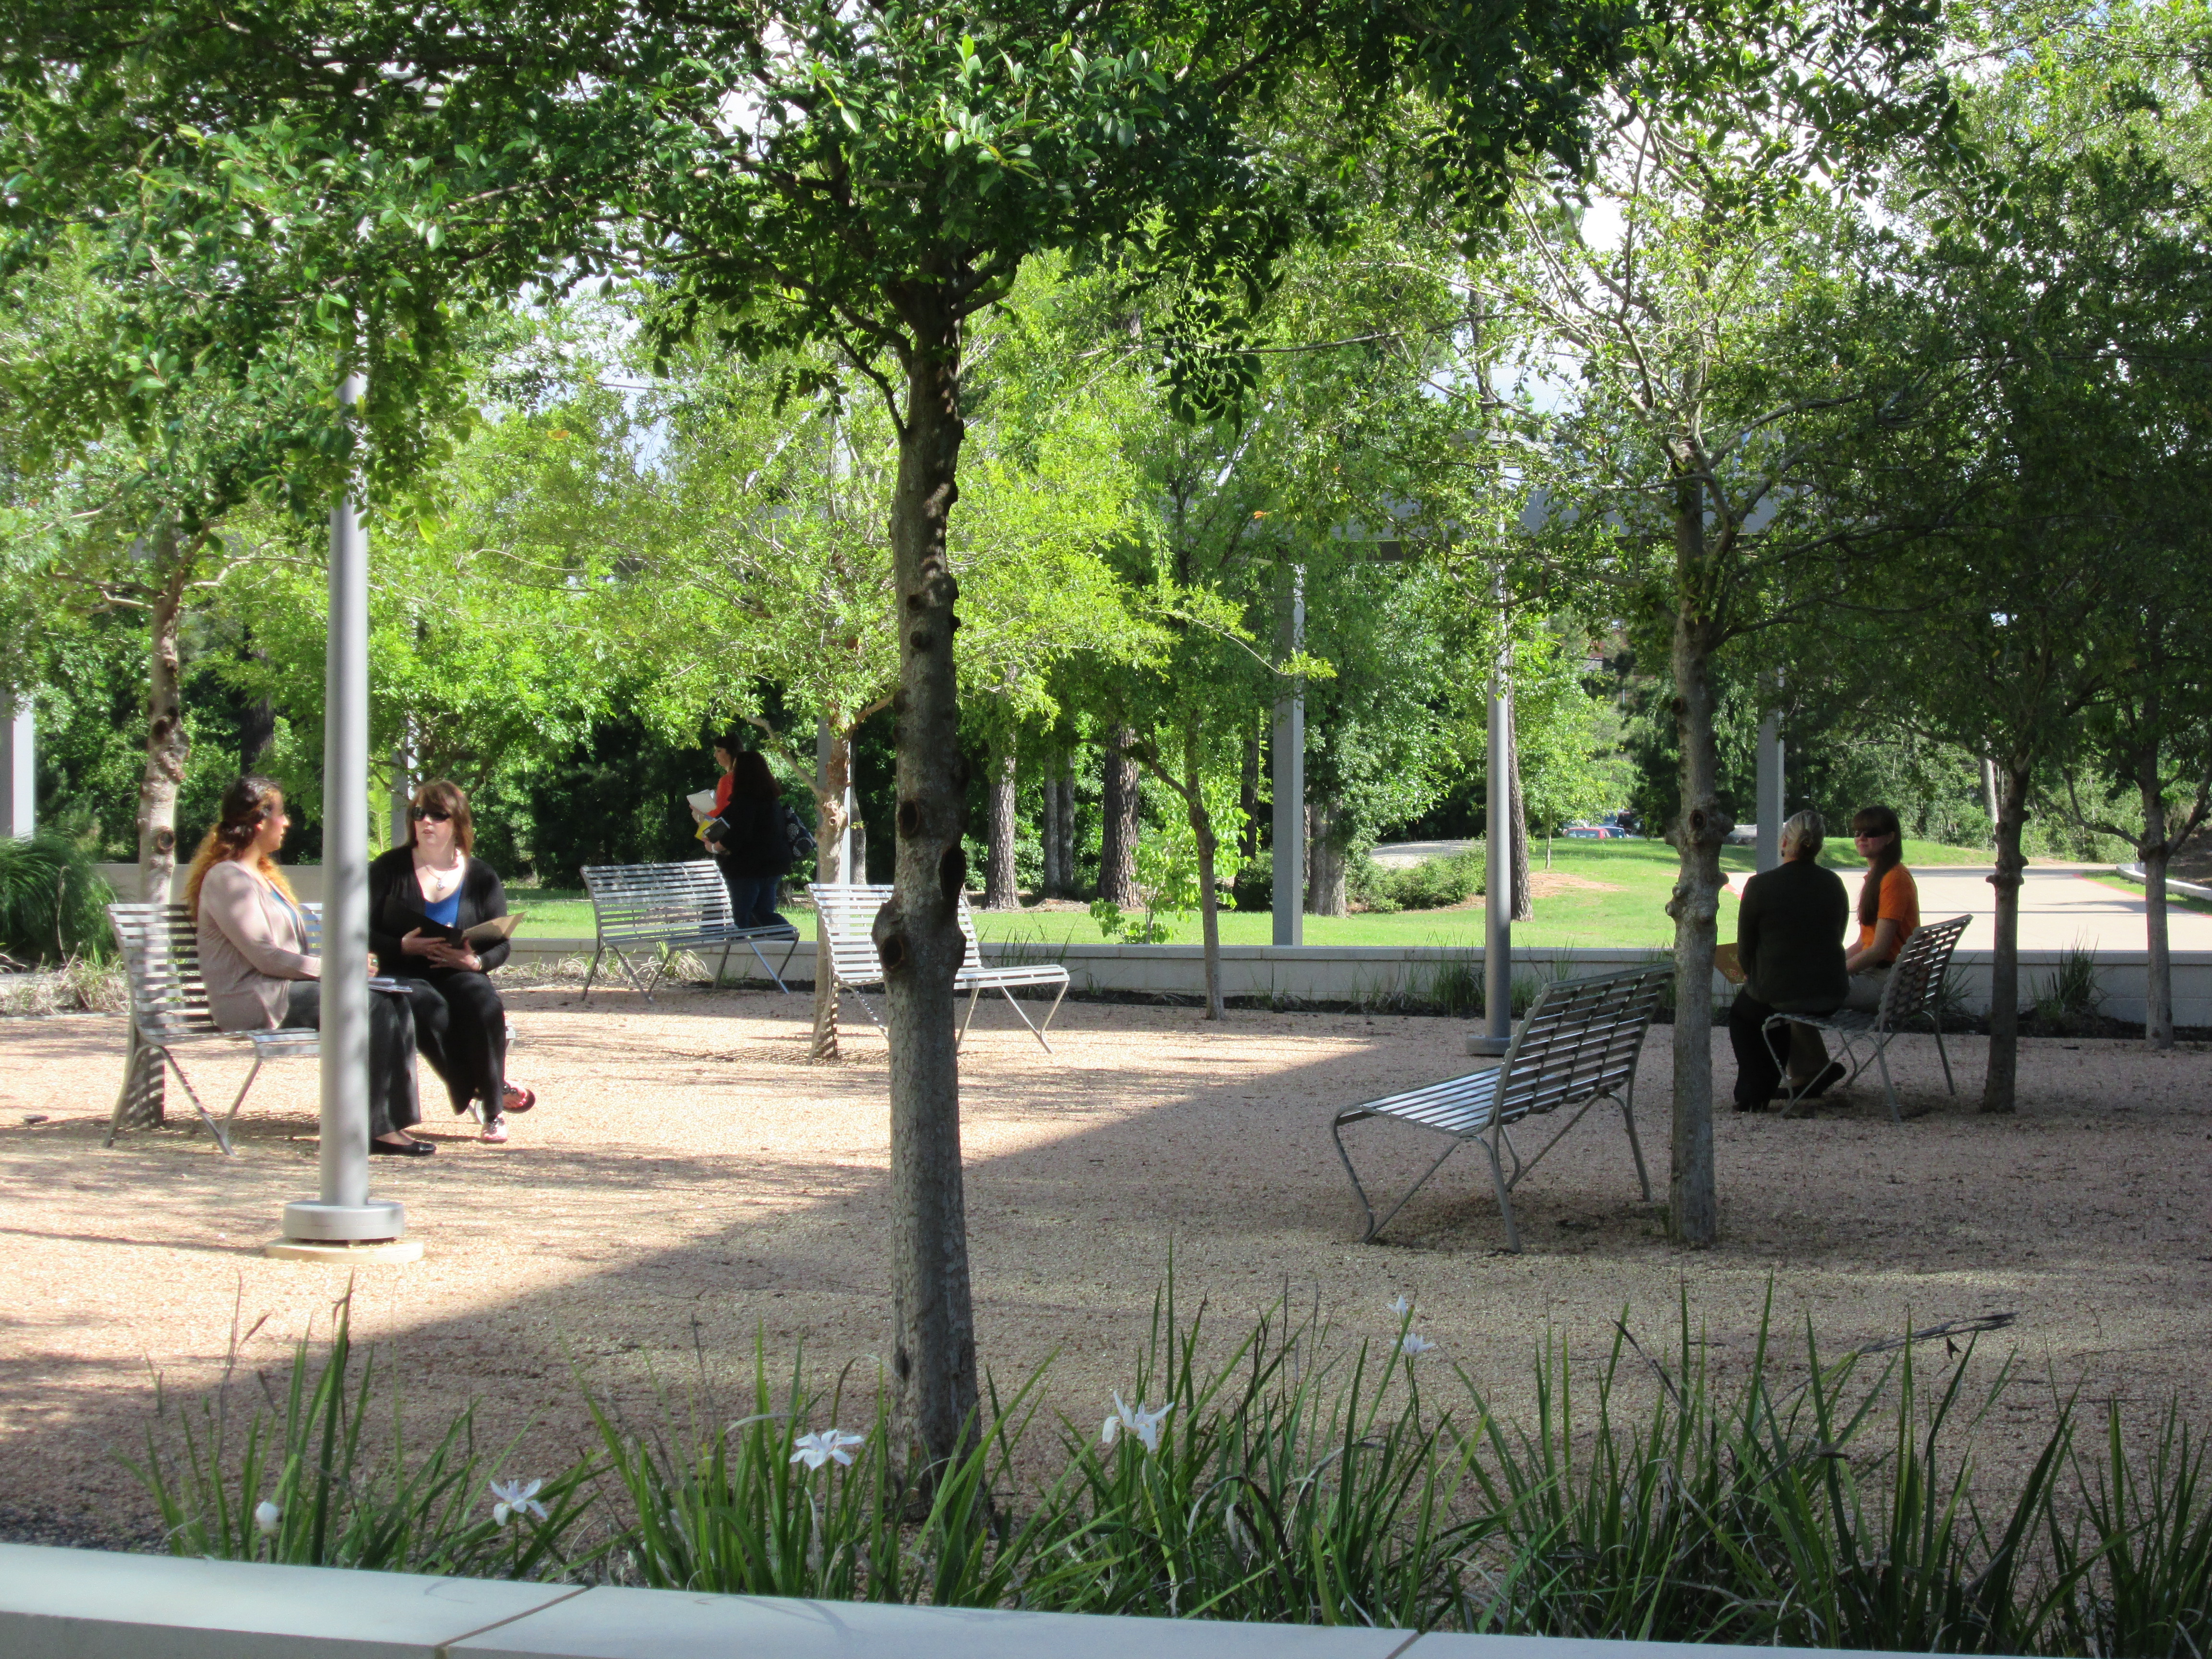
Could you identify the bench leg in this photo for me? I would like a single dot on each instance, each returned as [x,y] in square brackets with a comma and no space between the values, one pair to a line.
[790,951]
[1945,1058]
[1045,1024]
[962,1036]
[1504,1195]
[723,966]
[192,1094]
[754,947]
[1635,1146]
[1889,1089]
[1374,1227]
[597,950]
[231,1116]
[1035,1030]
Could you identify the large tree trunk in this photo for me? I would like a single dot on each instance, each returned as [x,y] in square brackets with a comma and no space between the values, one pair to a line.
[1063,791]
[1117,838]
[1325,861]
[1693,1204]
[2157,850]
[918,933]
[168,746]
[1248,798]
[1002,887]
[1209,907]
[1051,883]
[1524,902]
[2004,956]
[833,771]
[143,1101]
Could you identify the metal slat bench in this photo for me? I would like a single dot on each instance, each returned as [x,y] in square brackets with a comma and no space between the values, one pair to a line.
[1915,987]
[1577,1046]
[169,1007]
[848,919]
[652,909]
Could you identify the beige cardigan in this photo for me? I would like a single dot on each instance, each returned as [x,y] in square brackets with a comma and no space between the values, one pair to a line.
[252,948]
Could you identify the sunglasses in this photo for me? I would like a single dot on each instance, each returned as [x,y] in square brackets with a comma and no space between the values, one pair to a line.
[432,815]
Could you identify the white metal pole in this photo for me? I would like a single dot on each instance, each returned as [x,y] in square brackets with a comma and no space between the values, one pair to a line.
[19,776]
[1769,790]
[1289,744]
[344,1213]
[1497,865]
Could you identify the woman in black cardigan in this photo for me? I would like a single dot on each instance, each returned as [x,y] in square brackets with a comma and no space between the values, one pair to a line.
[415,893]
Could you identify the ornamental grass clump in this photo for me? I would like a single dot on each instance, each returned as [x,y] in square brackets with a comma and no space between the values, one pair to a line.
[307,1477]
[1293,1474]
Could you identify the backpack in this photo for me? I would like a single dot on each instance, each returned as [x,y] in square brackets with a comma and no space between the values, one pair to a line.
[796,836]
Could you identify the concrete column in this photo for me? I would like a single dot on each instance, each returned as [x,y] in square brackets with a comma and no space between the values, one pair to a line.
[1290,780]
[401,796]
[19,815]
[344,1218]
[1770,810]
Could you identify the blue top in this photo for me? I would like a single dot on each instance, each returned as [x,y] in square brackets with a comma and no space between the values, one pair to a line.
[446,910]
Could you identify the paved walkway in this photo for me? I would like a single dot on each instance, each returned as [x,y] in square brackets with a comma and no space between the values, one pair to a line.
[2059,905]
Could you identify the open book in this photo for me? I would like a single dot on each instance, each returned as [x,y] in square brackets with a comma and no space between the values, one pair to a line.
[489,931]
[1725,959]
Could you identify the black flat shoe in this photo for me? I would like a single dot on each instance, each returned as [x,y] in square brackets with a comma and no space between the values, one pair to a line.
[401,1148]
[1819,1085]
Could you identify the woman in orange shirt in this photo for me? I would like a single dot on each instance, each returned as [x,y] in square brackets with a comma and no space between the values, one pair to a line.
[1889,904]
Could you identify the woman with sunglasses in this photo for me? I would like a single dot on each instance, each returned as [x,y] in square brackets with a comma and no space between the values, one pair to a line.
[415,894]
[259,974]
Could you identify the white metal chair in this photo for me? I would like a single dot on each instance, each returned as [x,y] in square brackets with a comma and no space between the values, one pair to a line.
[1915,987]
[169,1007]
[849,917]
[643,908]
[1577,1045]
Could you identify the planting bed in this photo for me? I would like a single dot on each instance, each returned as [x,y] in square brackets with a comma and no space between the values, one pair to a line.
[689,1181]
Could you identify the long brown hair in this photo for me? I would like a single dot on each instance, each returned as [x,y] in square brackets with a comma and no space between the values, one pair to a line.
[750,779]
[443,795]
[246,805]
[1877,821]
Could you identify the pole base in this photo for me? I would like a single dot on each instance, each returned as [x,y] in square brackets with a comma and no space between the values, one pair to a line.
[313,1221]
[1489,1048]
[397,1251]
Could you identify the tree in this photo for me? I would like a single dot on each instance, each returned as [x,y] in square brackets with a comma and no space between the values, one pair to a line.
[2077,302]
[869,179]
[1695,279]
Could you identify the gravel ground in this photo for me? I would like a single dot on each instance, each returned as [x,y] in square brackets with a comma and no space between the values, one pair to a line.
[690,1183]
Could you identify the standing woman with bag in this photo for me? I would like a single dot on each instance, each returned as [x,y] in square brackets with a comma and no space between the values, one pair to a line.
[747,838]
[417,893]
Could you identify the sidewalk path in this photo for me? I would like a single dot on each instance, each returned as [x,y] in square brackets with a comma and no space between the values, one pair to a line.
[2059,905]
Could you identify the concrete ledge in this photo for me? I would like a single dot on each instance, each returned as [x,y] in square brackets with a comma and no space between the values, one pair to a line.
[90,1604]
[1353,974]
[2138,874]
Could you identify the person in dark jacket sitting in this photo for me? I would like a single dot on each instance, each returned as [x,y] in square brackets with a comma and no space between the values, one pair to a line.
[1789,940]
[460,1025]
[746,835]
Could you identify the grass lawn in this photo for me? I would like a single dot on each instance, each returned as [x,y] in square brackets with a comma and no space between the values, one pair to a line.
[1625,905]
[2174,901]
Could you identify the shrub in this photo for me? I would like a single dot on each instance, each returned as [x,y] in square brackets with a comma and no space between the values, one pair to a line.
[1254,888]
[52,901]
